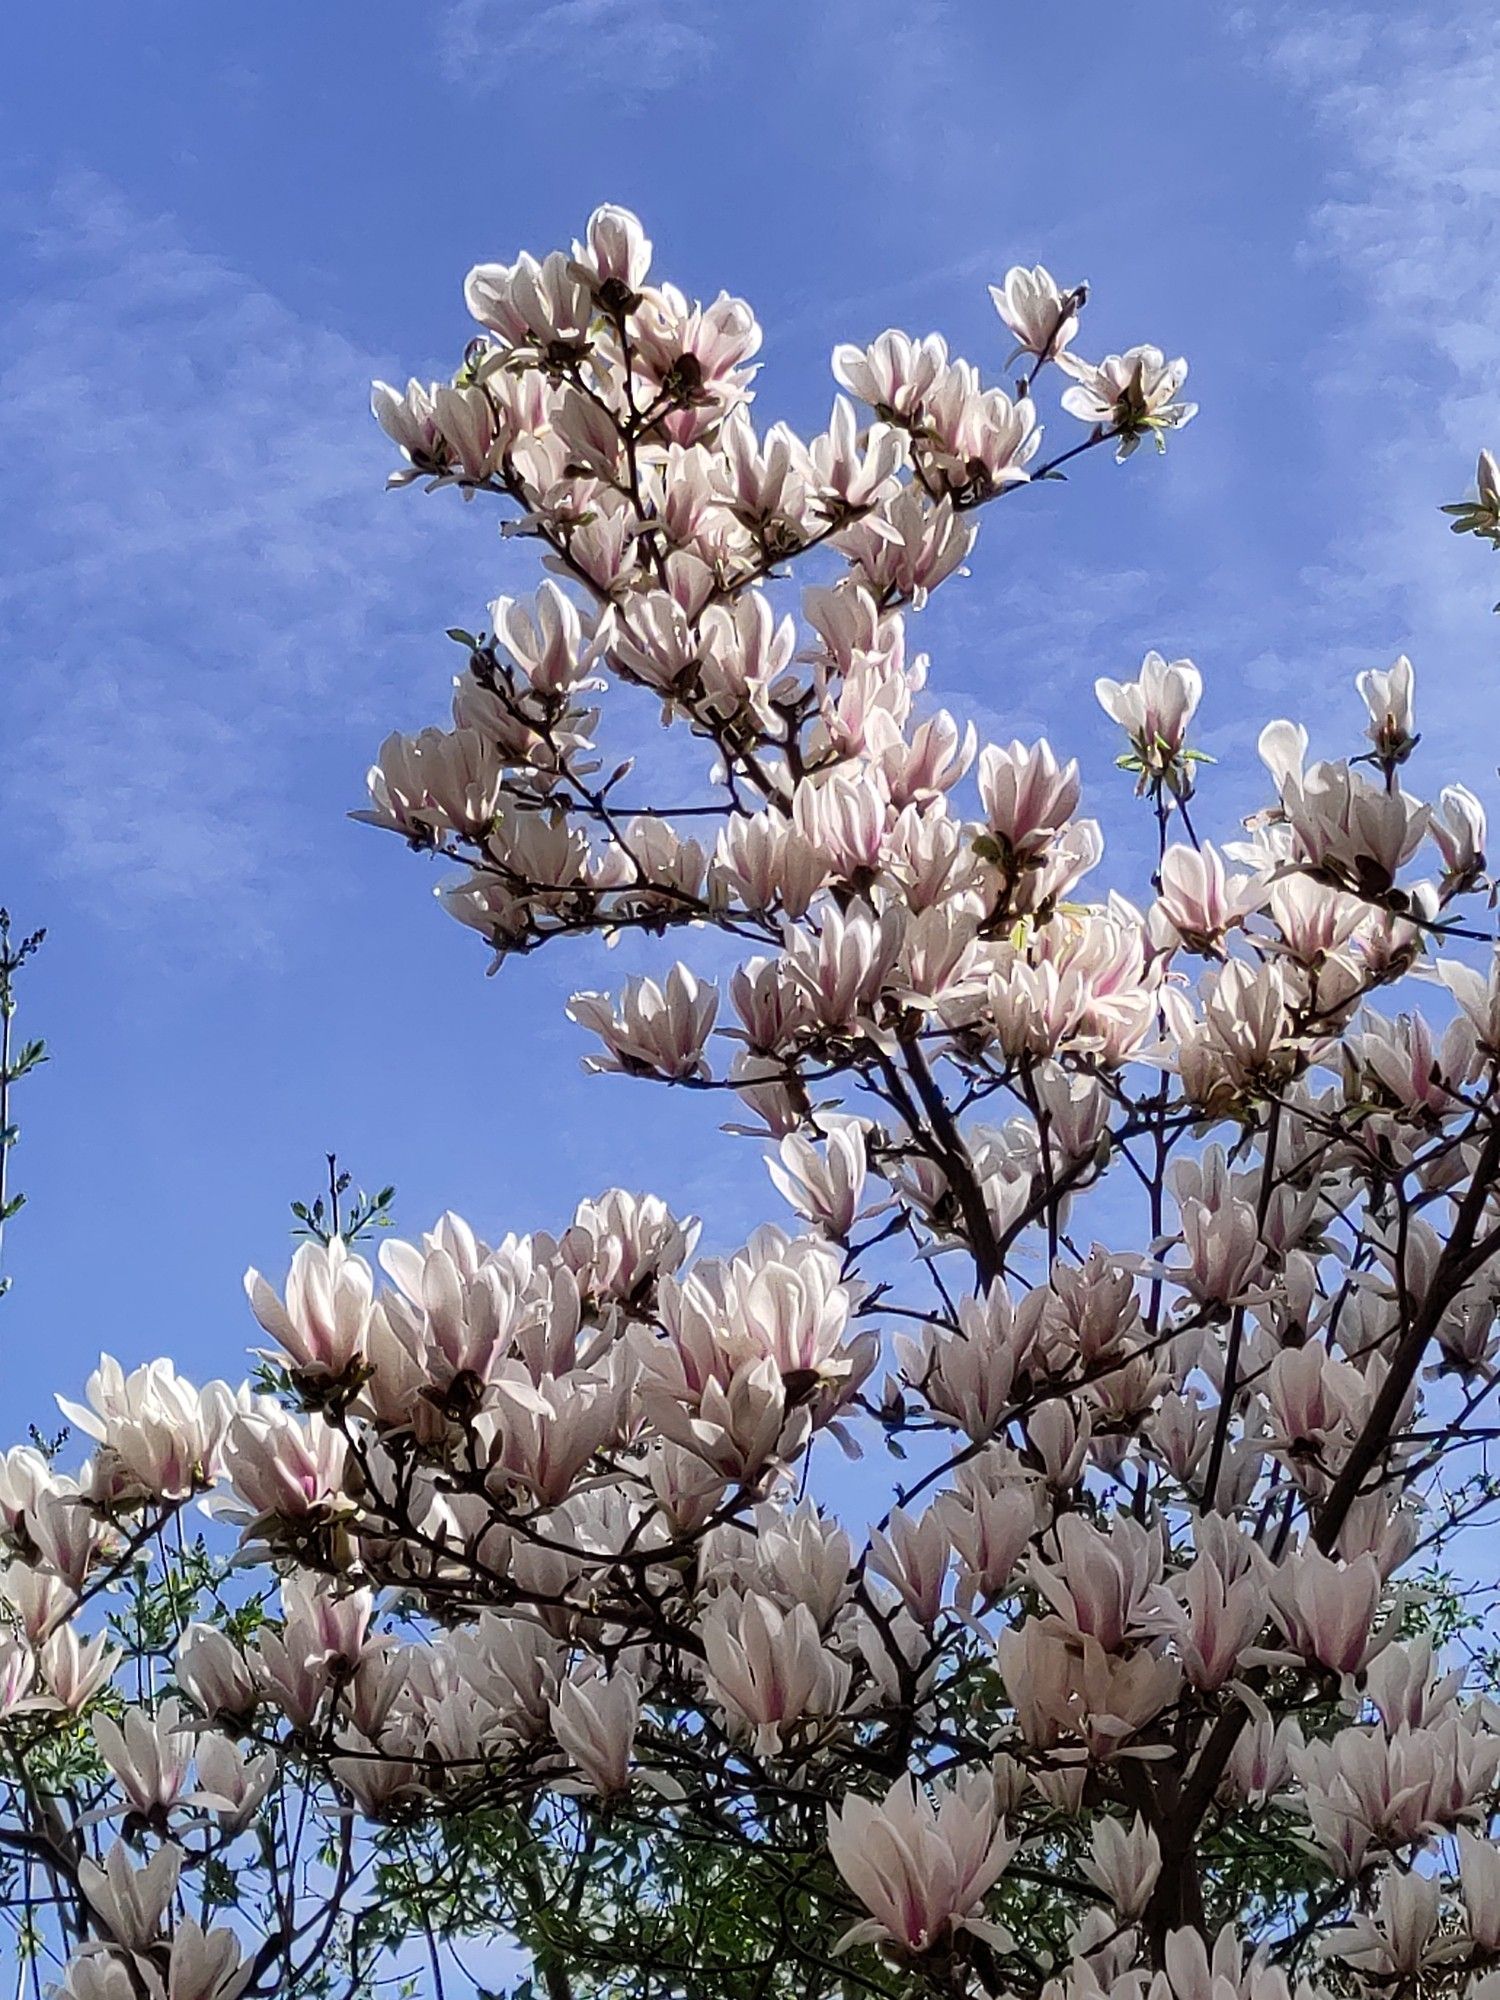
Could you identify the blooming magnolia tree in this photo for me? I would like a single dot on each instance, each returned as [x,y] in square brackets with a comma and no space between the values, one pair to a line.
[1154,1256]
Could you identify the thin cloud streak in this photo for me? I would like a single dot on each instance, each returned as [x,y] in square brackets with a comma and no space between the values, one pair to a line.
[635,48]
[206,579]
[1409,228]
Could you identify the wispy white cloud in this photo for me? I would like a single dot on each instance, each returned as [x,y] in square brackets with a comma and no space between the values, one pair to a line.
[205,587]
[1407,228]
[634,48]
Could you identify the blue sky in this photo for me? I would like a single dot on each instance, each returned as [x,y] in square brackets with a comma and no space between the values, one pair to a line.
[219,223]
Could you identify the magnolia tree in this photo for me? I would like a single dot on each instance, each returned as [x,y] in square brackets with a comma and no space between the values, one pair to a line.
[1151,1257]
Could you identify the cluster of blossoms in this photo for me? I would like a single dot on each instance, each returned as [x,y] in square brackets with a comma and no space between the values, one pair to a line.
[531,1519]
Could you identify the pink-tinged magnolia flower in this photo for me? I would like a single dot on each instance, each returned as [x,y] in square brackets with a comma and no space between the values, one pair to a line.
[694,358]
[654,642]
[289,1673]
[1393,1944]
[434,783]
[763,862]
[1479,1875]
[546,306]
[159,1435]
[1481,515]
[1059,1434]
[325,1320]
[745,651]
[913,1554]
[194,1965]
[802,1558]
[931,763]
[844,817]
[97,1972]
[849,470]
[326,1625]
[1190,1971]
[1459,830]
[132,1901]
[1478,996]
[652,1030]
[149,1755]
[1124,1861]
[1027,796]
[231,1784]
[983,440]
[843,969]
[615,257]
[1388,697]
[622,1243]
[1354,833]
[542,1434]
[73,1669]
[1154,710]
[779,1301]
[763,482]
[1327,1609]
[921,1869]
[769,1668]
[409,419]
[17,1672]
[943,961]
[1070,1690]
[1198,901]
[474,432]
[1106,1587]
[991,1515]
[1225,1597]
[25,1475]
[594,1724]
[908,546]
[1406,1689]
[286,1470]
[211,1671]
[895,375]
[1364,1788]
[206,1965]
[1134,395]
[485,904]
[544,639]
[1261,1763]
[1042,316]
[66,1535]
[452,1313]
[1401,1065]
[1225,1253]
[970,1377]
[824,1186]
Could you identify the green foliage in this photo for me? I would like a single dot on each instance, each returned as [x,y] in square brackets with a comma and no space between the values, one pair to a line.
[16,1061]
[332,1214]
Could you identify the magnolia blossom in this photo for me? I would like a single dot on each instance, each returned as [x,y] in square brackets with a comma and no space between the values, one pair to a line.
[824,1186]
[132,1900]
[1388,696]
[657,1029]
[1132,395]
[149,1755]
[595,1724]
[325,1320]
[922,1869]
[1155,711]
[770,1668]
[1042,317]
[1481,515]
